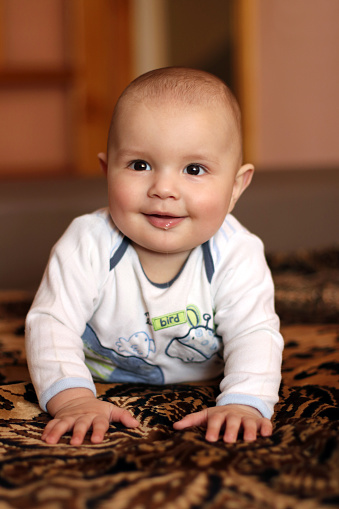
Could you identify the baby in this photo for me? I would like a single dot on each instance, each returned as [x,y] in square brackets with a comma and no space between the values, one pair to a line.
[164,286]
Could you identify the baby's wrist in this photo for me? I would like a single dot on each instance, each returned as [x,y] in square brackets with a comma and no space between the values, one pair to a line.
[64,397]
[240,406]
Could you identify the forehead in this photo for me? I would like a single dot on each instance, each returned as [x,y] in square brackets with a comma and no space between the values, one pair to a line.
[218,111]
[177,128]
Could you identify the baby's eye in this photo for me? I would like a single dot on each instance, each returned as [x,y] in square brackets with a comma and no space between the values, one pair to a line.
[140,165]
[194,169]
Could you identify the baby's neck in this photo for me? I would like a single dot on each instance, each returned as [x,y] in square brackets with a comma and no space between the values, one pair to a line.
[160,268]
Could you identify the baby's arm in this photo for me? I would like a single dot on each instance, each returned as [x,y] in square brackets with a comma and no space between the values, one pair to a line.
[64,304]
[79,410]
[246,320]
[230,419]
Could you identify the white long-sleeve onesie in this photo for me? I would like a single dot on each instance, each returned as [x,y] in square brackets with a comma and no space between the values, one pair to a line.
[97,316]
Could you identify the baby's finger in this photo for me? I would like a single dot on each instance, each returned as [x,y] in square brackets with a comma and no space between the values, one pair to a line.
[48,428]
[123,416]
[195,419]
[100,426]
[266,429]
[250,430]
[80,429]
[214,425]
[233,424]
[54,430]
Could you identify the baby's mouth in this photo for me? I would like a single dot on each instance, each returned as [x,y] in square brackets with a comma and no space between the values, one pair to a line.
[164,221]
[163,216]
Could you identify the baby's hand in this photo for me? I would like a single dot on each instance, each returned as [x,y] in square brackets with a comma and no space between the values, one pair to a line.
[79,410]
[230,419]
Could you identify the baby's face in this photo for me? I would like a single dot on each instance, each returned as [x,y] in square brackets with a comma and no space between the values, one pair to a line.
[171,172]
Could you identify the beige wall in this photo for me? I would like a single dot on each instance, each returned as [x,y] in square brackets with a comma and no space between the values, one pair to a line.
[295,87]
[285,68]
[289,89]
[63,64]
[33,115]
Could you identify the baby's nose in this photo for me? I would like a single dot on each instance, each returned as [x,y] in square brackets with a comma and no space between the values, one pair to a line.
[165,185]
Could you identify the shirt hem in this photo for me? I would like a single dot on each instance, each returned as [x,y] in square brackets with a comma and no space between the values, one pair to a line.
[244,399]
[62,385]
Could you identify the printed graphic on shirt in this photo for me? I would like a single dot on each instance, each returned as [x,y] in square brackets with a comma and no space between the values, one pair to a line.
[139,344]
[130,359]
[200,344]
[191,315]
[128,365]
[170,320]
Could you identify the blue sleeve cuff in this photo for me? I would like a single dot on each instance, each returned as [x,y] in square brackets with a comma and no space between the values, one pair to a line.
[244,399]
[62,385]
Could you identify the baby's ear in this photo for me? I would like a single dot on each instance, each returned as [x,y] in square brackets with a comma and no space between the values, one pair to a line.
[103,161]
[242,181]
[245,175]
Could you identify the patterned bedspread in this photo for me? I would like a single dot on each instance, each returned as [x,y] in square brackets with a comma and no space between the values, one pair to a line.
[155,467]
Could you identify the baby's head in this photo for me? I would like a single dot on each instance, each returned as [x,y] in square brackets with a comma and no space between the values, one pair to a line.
[174,163]
[180,87]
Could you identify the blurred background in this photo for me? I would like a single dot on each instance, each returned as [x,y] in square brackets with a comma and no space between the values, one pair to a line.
[63,64]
